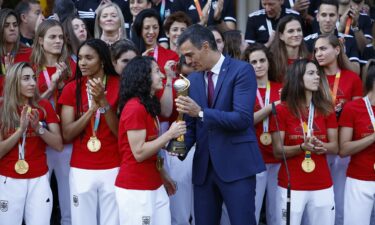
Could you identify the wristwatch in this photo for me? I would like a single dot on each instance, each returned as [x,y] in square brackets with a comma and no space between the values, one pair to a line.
[104,109]
[200,115]
[40,130]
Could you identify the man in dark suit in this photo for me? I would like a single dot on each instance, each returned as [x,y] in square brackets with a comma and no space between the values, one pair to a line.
[219,116]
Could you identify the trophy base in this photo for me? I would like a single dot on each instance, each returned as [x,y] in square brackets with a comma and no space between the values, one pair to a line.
[177,147]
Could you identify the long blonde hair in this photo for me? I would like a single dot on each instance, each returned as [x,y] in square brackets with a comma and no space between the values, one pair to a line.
[98,31]
[38,58]
[12,99]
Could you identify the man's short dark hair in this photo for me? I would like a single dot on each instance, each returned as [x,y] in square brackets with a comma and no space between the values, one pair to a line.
[197,35]
[24,6]
[329,2]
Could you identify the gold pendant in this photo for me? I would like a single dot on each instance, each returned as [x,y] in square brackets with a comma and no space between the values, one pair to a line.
[265,138]
[21,166]
[308,165]
[159,163]
[94,144]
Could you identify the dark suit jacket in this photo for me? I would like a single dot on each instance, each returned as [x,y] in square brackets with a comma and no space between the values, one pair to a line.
[226,135]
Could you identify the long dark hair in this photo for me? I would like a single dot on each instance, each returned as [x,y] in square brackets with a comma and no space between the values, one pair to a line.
[271,63]
[232,43]
[278,47]
[72,40]
[293,92]
[136,82]
[138,26]
[102,50]
[343,61]
[4,14]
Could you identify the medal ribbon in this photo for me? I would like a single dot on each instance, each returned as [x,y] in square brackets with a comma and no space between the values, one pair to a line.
[73,57]
[198,7]
[308,129]
[162,9]
[95,120]
[370,111]
[156,53]
[21,146]
[266,102]
[53,98]
[336,86]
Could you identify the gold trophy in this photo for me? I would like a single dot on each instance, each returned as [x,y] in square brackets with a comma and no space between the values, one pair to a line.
[177,146]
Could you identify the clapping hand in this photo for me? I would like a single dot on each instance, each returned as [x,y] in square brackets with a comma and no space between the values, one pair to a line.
[8,61]
[218,10]
[34,119]
[97,90]
[24,118]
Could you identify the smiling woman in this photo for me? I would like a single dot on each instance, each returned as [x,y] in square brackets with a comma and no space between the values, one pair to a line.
[89,121]
[174,25]
[287,45]
[109,24]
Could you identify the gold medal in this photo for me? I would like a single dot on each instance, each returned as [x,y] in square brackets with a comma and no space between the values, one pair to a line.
[160,163]
[308,165]
[94,144]
[21,166]
[265,138]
